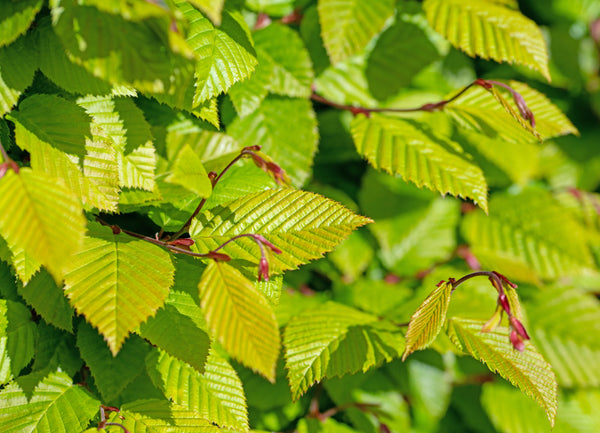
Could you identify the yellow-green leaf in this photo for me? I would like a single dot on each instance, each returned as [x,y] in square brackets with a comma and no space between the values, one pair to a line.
[240,318]
[41,216]
[188,171]
[427,321]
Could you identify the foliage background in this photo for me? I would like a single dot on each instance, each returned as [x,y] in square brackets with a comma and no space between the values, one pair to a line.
[120,109]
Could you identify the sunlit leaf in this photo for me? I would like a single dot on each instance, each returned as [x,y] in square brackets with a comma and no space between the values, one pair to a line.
[240,318]
[211,8]
[187,170]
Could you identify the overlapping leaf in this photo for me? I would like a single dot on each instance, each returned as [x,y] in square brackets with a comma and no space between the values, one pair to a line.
[526,370]
[41,216]
[489,30]
[56,405]
[333,340]
[17,339]
[18,62]
[187,171]
[398,147]
[291,144]
[427,321]
[548,246]
[348,25]
[216,395]
[240,318]
[225,54]
[15,19]
[301,236]
[211,8]
[117,282]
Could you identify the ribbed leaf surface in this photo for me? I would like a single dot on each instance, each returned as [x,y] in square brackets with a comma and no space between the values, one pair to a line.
[427,321]
[216,395]
[346,83]
[301,224]
[348,25]
[292,144]
[48,300]
[117,282]
[158,416]
[333,340]
[17,339]
[16,17]
[565,325]
[489,30]
[40,216]
[136,170]
[398,147]
[240,318]
[225,54]
[19,62]
[56,406]
[111,373]
[548,246]
[526,370]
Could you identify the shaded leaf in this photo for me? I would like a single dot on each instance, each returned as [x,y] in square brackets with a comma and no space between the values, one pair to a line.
[333,340]
[18,62]
[428,320]
[240,318]
[398,147]
[17,338]
[16,17]
[526,370]
[56,405]
[41,217]
[117,282]
[488,29]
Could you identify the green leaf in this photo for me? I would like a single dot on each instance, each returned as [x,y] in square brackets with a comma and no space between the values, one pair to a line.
[526,370]
[549,246]
[427,321]
[564,323]
[346,83]
[56,405]
[178,335]
[398,147]
[16,17]
[213,9]
[117,282]
[225,54]
[111,373]
[330,425]
[333,340]
[56,65]
[48,300]
[216,395]
[123,52]
[55,349]
[301,237]
[240,318]
[18,62]
[348,25]
[55,121]
[187,170]
[40,216]
[25,265]
[489,30]
[291,144]
[136,170]
[158,416]
[17,337]
[391,65]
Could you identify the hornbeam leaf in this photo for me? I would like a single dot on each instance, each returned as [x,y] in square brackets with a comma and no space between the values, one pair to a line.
[55,121]
[48,300]
[333,340]
[17,338]
[549,246]
[291,144]
[111,373]
[398,147]
[213,9]
[487,29]
[42,217]
[16,17]
[427,321]
[240,318]
[216,395]
[187,170]
[56,405]
[158,416]
[117,282]
[136,170]
[18,62]
[526,370]
[347,26]
[301,224]
[225,54]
